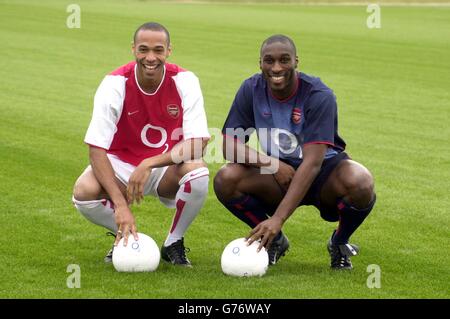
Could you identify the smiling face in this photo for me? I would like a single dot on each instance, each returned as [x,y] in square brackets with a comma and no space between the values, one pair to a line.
[151,49]
[278,62]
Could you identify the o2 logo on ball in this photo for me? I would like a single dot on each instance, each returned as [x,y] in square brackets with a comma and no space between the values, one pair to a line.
[137,256]
[242,260]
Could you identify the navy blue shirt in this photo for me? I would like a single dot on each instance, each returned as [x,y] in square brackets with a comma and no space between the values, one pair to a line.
[308,116]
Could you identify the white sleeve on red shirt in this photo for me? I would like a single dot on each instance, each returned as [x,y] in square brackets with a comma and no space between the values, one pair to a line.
[194,116]
[108,106]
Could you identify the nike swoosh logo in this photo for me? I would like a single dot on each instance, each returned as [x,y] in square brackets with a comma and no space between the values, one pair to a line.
[131,113]
[195,174]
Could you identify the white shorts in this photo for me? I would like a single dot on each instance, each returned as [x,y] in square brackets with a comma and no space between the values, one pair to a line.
[124,170]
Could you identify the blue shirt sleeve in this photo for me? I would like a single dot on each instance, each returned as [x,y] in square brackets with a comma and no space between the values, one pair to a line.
[241,121]
[320,118]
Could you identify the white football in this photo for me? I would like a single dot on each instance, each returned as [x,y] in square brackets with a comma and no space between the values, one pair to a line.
[137,256]
[241,260]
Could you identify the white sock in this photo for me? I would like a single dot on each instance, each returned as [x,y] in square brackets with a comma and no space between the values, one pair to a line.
[189,200]
[100,212]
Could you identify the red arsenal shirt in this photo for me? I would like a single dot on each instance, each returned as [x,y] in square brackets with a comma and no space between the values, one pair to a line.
[135,125]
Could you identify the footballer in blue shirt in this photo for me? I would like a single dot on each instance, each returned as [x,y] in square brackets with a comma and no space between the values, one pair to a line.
[301,160]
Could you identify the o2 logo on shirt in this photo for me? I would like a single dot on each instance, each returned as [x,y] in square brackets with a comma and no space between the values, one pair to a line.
[285,141]
[163,140]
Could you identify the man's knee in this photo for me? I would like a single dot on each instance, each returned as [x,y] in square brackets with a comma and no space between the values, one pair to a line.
[86,188]
[226,180]
[359,184]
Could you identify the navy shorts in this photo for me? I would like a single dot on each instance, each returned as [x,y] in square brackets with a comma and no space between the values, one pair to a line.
[312,197]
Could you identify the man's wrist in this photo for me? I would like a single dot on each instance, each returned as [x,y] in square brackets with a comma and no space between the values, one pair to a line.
[147,163]
[122,203]
[280,219]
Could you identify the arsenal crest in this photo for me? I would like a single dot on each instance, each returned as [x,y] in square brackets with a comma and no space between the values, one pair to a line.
[173,110]
[296,115]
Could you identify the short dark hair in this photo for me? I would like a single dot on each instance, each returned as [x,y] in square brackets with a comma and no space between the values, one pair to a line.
[278,38]
[153,26]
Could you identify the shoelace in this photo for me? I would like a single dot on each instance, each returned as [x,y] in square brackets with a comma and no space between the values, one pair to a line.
[275,248]
[178,251]
[273,251]
[338,258]
[343,260]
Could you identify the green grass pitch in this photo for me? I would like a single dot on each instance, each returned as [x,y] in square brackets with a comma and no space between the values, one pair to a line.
[393,95]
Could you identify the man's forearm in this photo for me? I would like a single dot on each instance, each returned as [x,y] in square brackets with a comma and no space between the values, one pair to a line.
[188,150]
[313,157]
[237,152]
[300,184]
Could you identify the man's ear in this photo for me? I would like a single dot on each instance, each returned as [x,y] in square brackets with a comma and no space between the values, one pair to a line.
[169,50]
[296,61]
